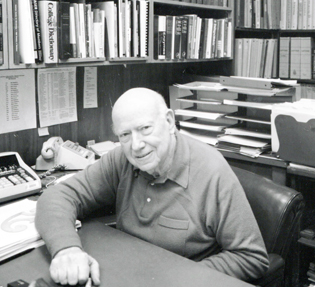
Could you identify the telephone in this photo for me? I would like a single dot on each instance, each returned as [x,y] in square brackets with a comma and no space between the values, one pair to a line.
[57,152]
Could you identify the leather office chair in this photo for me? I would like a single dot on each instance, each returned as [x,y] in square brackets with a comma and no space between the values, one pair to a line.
[278,210]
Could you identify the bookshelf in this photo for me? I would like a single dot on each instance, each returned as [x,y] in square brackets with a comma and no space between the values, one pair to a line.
[289,22]
[155,7]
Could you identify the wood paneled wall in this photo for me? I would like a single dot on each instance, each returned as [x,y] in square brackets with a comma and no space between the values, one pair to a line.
[112,81]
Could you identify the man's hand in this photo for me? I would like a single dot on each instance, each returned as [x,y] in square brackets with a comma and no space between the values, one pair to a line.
[73,266]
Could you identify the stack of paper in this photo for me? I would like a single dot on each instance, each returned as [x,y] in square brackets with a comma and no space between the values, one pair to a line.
[244,145]
[17,228]
[204,136]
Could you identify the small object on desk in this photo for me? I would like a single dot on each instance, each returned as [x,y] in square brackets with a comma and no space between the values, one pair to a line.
[41,283]
[18,283]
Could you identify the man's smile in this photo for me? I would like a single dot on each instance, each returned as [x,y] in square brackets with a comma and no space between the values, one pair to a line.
[142,156]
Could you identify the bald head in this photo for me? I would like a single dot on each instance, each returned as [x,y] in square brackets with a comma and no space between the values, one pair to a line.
[138,101]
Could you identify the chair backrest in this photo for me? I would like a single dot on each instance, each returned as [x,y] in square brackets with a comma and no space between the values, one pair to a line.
[277,209]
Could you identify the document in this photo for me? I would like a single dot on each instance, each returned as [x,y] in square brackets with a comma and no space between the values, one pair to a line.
[90,88]
[198,114]
[17,100]
[17,228]
[57,96]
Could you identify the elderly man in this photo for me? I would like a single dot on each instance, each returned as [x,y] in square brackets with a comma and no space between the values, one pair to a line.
[167,189]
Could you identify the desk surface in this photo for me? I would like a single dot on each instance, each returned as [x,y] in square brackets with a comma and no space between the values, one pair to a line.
[124,261]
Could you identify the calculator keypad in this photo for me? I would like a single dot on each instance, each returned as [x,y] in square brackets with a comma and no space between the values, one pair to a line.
[13,175]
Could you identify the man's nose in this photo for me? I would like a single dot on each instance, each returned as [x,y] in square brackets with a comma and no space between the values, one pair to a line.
[137,141]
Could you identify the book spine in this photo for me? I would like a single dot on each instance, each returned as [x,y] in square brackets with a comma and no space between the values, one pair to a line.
[214,38]
[64,30]
[306,58]
[184,37]
[284,57]
[38,36]
[1,34]
[15,17]
[72,33]
[178,32]
[168,39]
[48,24]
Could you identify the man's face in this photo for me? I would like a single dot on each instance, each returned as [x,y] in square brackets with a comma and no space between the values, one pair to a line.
[145,136]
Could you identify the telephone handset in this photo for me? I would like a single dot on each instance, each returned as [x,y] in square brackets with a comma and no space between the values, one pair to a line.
[57,152]
[50,147]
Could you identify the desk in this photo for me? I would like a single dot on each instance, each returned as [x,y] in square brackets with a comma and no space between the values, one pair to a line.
[124,261]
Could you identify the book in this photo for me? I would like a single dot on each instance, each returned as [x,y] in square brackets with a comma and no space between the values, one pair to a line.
[48,23]
[294,16]
[72,33]
[238,57]
[143,28]
[209,32]
[26,35]
[269,58]
[283,15]
[284,57]
[120,28]
[15,19]
[169,36]
[307,46]
[160,37]
[177,40]
[310,15]
[184,37]
[135,28]
[127,27]
[63,30]
[38,37]
[1,34]
[295,56]
[190,35]
[259,53]
[89,35]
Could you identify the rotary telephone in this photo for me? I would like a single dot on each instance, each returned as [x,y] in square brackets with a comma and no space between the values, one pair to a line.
[69,154]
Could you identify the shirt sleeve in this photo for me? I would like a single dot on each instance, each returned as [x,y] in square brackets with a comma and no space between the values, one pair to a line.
[59,206]
[243,253]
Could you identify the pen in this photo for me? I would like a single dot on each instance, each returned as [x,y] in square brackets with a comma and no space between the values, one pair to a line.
[88,282]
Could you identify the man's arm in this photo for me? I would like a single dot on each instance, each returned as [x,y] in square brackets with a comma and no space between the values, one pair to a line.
[243,253]
[58,208]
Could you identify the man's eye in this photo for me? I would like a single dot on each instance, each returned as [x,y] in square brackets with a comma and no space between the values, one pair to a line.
[124,137]
[146,129]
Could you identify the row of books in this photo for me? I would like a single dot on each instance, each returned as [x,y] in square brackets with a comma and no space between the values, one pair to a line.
[296,58]
[255,57]
[191,37]
[260,14]
[46,31]
[297,14]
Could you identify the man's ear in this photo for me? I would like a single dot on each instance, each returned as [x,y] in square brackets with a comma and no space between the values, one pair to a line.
[170,118]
